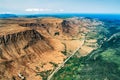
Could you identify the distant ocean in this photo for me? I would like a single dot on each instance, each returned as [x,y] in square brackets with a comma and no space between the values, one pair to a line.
[99,16]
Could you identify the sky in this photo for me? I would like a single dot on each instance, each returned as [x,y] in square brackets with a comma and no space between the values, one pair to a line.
[59,6]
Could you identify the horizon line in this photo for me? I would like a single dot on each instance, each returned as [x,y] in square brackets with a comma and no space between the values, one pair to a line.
[54,13]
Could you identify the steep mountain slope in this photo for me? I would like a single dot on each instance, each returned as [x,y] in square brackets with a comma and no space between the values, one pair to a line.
[22,47]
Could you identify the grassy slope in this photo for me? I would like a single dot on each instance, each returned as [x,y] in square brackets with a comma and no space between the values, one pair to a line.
[104,65]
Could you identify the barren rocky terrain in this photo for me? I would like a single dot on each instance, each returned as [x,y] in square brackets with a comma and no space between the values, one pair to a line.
[32,45]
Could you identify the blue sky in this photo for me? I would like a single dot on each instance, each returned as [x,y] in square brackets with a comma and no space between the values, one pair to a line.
[59,6]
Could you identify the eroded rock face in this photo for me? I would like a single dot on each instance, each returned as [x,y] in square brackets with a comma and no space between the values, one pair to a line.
[19,49]
[7,39]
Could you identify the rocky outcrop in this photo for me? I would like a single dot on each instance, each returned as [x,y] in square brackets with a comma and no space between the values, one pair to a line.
[16,45]
[7,39]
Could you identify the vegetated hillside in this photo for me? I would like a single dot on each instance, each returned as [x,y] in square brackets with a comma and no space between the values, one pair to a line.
[100,64]
[31,46]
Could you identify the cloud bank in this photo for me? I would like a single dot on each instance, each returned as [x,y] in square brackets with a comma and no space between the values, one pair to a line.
[37,9]
[43,10]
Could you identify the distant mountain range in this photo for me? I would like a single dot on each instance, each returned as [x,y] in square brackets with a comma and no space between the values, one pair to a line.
[64,15]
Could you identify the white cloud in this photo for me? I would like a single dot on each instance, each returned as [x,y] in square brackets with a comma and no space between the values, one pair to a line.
[37,9]
[43,10]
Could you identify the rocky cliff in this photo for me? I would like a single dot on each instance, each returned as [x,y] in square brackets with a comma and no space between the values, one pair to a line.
[18,49]
[18,44]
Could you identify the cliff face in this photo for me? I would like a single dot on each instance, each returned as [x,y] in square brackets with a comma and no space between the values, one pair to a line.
[18,49]
[16,45]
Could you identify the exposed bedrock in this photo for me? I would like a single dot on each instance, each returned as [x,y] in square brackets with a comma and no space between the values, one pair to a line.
[15,45]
